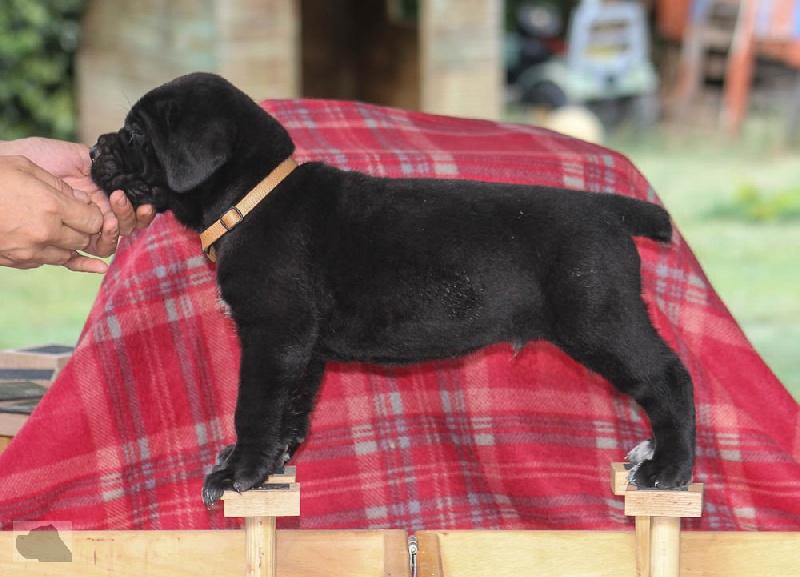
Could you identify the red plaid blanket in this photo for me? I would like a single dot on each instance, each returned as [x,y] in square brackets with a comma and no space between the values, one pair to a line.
[489,441]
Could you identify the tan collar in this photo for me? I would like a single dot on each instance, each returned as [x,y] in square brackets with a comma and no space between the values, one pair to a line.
[236,214]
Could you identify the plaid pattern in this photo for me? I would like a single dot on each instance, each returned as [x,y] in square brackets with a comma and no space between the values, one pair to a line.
[488,441]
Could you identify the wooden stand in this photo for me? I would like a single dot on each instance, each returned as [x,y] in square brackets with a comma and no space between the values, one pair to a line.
[279,496]
[658,521]
[651,551]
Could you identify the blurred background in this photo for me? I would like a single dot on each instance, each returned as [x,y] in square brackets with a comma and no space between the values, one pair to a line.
[702,95]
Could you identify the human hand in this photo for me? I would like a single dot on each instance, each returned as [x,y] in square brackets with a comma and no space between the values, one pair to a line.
[43,220]
[70,162]
[119,219]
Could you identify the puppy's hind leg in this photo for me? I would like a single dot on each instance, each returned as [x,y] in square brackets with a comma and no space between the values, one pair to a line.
[619,342]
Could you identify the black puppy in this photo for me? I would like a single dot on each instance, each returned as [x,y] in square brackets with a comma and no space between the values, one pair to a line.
[342,266]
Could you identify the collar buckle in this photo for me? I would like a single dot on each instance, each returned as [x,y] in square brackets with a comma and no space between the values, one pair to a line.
[232,213]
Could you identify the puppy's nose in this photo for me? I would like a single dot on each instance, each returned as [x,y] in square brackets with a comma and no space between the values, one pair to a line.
[94,153]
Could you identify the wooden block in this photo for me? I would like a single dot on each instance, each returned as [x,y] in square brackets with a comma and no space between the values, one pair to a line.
[52,357]
[686,502]
[269,500]
[4,442]
[619,477]
[289,475]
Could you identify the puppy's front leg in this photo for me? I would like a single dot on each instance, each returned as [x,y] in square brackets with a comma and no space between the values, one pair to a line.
[271,376]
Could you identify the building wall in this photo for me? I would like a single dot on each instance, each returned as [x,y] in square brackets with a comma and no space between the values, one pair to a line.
[446,59]
[130,46]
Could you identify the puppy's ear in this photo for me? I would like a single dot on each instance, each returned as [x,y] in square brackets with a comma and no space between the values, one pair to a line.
[190,149]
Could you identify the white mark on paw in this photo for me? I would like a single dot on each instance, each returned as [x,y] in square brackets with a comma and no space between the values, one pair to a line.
[638,455]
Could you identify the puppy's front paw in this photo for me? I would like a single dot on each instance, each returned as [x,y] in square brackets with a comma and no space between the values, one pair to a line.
[233,473]
[223,456]
[651,470]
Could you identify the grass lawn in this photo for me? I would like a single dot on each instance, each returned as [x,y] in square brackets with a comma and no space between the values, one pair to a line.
[754,266]
[44,305]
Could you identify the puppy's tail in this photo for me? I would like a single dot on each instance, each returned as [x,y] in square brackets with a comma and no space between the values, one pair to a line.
[640,218]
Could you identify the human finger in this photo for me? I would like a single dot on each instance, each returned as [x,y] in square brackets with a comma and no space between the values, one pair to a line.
[145,215]
[82,263]
[105,243]
[85,218]
[81,196]
[124,211]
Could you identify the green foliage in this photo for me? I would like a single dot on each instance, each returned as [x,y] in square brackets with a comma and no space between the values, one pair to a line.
[752,204]
[38,41]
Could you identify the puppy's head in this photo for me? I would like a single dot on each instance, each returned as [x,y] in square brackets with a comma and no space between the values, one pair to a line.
[190,146]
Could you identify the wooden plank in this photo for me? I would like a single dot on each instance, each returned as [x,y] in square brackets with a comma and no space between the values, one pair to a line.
[619,478]
[429,554]
[729,554]
[540,553]
[216,554]
[601,554]
[137,553]
[396,562]
[664,503]
[354,553]
[383,553]
[266,502]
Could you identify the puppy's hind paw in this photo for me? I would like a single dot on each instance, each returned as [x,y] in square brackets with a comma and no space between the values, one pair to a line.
[641,452]
[653,471]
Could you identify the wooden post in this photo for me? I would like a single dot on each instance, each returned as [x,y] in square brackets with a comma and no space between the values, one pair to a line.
[665,546]
[461,57]
[658,521]
[279,496]
[642,546]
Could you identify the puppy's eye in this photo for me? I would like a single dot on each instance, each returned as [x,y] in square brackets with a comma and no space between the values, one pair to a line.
[134,134]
